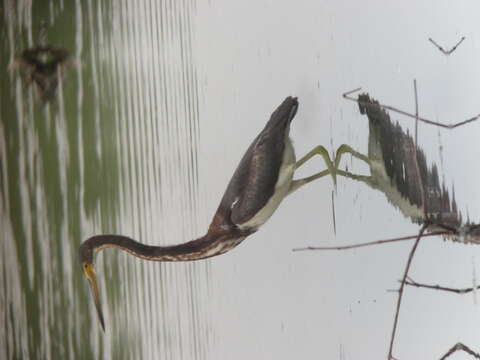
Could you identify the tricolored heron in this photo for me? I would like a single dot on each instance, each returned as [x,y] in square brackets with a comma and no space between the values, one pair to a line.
[393,171]
[263,178]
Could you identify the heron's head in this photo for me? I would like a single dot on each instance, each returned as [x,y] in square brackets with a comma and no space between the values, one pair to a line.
[86,259]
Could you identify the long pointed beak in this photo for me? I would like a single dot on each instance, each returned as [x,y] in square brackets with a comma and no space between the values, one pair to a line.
[92,279]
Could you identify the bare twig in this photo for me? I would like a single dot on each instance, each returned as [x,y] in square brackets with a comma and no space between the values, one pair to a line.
[460,347]
[447,52]
[377,242]
[424,226]
[400,291]
[333,214]
[415,158]
[412,282]
[391,108]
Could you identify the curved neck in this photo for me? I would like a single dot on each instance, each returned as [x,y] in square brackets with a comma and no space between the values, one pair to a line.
[204,247]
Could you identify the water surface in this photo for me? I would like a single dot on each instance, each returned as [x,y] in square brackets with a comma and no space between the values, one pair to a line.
[147,128]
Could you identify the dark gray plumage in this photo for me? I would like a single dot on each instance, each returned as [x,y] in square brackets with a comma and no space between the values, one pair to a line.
[393,170]
[253,182]
[263,178]
[398,156]
[42,66]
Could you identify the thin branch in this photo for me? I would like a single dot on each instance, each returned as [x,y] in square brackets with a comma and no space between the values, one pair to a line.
[447,52]
[391,108]
[412,282]
[333,214]
[424,226]
[371,243]
[416,113]
[438,46]
[415,158]
[400,291]
[460,347]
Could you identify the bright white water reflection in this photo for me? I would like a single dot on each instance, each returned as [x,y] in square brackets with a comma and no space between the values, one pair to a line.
[142,139]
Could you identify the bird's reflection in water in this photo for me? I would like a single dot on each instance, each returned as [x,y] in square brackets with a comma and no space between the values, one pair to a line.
[43,67]
[410,185]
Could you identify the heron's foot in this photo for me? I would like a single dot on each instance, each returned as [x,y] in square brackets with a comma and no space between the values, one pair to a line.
[362,178]
[319,150]
[343,149]
[300,182]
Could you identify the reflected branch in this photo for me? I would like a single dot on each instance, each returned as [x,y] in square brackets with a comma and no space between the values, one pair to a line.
[447,52]
[460,347]
[405,113]
[415,157]
[402,286]
[412,282]
[371,243]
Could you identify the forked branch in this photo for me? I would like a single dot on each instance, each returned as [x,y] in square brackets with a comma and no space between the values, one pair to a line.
[447,52]
[460,347]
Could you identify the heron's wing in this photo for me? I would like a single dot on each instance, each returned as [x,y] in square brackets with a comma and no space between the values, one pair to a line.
[259,177]
[29,58]
[401,156]
[253,182]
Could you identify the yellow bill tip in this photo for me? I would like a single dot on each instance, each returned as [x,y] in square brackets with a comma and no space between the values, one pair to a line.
[89,272]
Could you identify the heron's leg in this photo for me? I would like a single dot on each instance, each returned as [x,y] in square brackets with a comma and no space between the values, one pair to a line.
[318,150]
[347,149]
[365,179]
[332,169]
[300,182]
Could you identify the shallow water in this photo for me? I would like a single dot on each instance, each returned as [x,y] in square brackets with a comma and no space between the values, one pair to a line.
[148,124]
